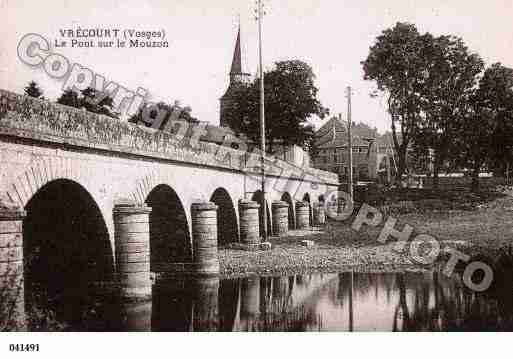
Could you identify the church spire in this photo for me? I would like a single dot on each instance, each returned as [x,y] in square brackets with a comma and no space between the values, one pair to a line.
[237,57]
[237,73]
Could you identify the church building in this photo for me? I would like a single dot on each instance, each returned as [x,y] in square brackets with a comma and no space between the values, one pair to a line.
[239,76]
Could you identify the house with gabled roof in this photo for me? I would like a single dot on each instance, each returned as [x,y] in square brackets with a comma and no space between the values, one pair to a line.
[372,152]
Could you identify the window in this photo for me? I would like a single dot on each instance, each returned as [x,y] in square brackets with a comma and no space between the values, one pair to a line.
[363,173]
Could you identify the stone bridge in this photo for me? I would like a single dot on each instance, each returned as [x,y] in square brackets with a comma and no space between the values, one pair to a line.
[106,196]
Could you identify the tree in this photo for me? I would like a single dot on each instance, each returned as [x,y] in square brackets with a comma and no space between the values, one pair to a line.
[486,136]
[419,159]
[185,114]
[33,90]
[90,100]
[396,63]
[290,100]
[69,98]
[450,80]
[167,110]
[94,102]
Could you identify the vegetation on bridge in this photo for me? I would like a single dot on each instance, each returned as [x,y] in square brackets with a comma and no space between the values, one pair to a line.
[29,117]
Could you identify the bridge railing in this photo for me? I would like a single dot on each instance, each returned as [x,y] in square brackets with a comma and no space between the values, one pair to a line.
[25,116]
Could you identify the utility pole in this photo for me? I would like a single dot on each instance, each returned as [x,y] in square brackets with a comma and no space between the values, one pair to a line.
[262,116]
[340,204]
[349,144]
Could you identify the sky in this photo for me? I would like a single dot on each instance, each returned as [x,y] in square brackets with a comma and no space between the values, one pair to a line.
[332,36]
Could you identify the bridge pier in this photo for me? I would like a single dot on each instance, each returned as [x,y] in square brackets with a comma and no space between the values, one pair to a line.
[250,298]
[132,242]
[303,215]
[204,238]
[12,294]
[206,309]
[136,318]
[280,217]
[249,222]
[319,214]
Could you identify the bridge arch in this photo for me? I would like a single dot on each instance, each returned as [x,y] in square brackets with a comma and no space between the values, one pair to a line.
[67,252]
[257,197]
[286,197]
[227,224]
[170,239]
[47,170]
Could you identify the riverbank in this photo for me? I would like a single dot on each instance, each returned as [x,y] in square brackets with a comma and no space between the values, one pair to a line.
[337,249]
[484,227]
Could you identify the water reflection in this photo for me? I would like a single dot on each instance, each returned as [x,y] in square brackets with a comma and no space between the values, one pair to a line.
[316,302]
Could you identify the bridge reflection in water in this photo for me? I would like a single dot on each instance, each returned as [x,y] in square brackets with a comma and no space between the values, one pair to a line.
[316,302]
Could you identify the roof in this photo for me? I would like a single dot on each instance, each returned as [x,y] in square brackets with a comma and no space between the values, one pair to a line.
[237,57]
[327,128]
[238,75]
[387,140]
[238,61]
[334,134]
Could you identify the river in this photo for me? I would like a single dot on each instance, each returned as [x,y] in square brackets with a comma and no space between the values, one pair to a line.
[348,301]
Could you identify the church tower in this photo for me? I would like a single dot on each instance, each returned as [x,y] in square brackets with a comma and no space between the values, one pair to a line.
[238,76]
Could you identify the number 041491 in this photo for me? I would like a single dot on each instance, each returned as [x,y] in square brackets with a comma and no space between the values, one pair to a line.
[24,347]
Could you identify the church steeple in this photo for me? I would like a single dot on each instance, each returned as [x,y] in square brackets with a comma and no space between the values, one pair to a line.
[238,76]
[237,57]
[237,73]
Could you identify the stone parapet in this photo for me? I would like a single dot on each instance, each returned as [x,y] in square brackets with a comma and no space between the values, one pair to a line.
[41,120]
